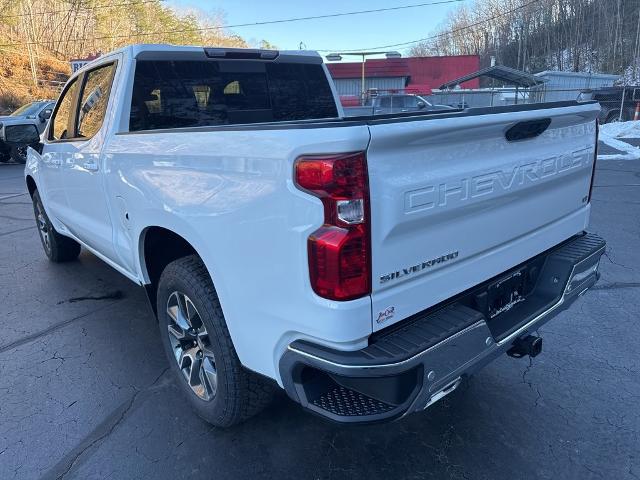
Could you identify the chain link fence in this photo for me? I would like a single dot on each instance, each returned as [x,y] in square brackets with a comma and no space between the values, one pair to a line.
[618,104]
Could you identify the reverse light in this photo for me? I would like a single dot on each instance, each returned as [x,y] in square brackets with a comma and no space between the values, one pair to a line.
[339,252]
[351,211]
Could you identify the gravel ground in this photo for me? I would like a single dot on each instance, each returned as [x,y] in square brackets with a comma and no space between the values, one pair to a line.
[85,392]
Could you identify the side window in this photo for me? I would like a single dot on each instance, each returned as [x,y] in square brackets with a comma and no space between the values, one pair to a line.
[60,121]
[410,102]
[385,102]
[397,101]
[95,96]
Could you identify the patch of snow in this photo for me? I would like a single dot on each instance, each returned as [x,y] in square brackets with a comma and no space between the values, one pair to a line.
[617,156]
[621,129]
[609,134]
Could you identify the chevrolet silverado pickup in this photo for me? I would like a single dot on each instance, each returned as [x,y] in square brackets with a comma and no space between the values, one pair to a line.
[366,265]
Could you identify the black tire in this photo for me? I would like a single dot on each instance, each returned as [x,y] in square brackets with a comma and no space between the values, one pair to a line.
[5,157]
[58,248]
[19,154]
[239,393]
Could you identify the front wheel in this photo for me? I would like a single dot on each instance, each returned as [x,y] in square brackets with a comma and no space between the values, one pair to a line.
[197,342]
[58,248]
[19,154]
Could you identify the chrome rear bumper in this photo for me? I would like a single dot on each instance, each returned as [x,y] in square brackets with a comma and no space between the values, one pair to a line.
[424,358]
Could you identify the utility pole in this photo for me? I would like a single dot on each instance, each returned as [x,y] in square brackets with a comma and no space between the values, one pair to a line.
[363,94]
[338,56]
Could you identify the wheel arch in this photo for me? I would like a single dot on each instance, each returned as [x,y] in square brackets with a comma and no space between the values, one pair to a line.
[31,185]
[157,247]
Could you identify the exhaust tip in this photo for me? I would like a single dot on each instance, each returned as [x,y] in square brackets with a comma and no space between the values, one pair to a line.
[530,346]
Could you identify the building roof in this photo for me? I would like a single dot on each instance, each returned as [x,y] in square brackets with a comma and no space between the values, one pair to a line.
[424,73]
[434,71]
[559,73]
[510,76]
[379,67]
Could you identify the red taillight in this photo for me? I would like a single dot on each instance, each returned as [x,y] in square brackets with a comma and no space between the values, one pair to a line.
[595,157]
[339,251]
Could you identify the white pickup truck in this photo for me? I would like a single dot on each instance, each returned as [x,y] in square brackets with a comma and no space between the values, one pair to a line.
[365,265]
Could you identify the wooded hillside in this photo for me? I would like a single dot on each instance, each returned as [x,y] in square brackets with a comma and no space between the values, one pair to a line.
[39,37]
[600,36]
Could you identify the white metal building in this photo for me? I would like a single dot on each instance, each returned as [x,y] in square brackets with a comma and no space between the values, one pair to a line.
[566,85]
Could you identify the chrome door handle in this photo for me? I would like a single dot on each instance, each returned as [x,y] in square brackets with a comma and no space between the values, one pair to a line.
[89,165]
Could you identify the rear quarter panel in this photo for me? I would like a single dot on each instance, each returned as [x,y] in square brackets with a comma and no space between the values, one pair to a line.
[230,193]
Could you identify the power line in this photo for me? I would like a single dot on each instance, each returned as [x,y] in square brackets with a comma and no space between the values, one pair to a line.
[251,24]
[433,37]
[79,7]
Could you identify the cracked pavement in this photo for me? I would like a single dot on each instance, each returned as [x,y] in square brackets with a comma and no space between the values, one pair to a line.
[85,392]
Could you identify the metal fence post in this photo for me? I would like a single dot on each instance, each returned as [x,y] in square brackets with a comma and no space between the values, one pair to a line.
[622,104]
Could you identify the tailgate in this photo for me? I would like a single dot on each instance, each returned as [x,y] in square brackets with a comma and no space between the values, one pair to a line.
[454,203]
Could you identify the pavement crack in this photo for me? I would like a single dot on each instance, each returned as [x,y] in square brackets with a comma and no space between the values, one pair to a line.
[100,433]
[529,383]
[607,255]
[47,331]
[115,295]
[616,285]
[18,219]
[13,195]
[124,409]
[3,234]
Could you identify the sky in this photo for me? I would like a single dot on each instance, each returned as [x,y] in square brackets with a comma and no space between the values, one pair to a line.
[355,32]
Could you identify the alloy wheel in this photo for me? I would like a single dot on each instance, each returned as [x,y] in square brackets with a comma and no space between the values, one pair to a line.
[43,227]
[191,346]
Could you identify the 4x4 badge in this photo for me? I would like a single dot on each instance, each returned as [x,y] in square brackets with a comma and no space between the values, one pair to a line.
[385,314]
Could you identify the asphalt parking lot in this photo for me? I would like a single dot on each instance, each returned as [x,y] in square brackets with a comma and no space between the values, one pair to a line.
[85,392]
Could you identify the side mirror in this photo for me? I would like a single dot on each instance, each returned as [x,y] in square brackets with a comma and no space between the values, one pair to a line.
[45,114]
[421,104]
[21,135]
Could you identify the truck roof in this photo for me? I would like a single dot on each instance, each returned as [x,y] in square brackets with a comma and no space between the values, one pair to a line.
[137,49]
[156,51]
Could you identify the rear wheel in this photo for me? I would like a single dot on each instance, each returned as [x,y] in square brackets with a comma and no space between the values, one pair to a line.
[200,351]
[57,247]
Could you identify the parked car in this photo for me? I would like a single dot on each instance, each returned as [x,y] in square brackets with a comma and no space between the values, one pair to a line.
[367,266]
[35,113]
[611,102]
[394,103]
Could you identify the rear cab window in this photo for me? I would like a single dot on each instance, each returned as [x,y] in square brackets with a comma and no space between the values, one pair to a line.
[199,93]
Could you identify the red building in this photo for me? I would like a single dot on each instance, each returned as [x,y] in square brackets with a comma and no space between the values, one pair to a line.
[412,74]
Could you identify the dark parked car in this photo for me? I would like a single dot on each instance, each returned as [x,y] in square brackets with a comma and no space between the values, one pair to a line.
[394,103]
[37,113]
[610,99]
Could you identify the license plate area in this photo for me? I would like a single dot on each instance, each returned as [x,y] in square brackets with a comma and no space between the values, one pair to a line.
[506,293]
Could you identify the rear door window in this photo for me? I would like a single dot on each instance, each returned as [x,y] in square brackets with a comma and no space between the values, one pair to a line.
[61,122]
[175,94]
[95,97]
